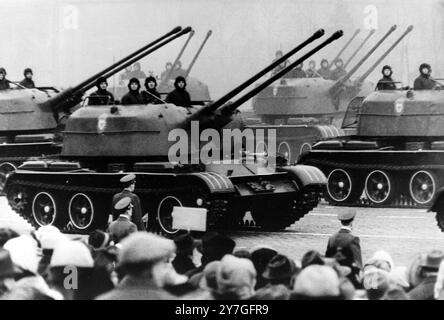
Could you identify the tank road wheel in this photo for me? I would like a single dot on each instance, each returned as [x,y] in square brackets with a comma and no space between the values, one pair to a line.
[422,187]
[81,211]
[19,199]
[285,151]
[5,170]
[343,187]
[378,187]
[44,209]
[164,214]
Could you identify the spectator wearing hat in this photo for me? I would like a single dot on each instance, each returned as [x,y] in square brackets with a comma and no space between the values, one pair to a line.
[27,82]
[236,278]
[129,185]
[375,282]
[261,256]
[427,272]
[6,234]
[8,271]
[143,261]
[101,96]
[317,282]
[382,260]
[183,262]
[103,252]
[345,247]
[122,226]
[280,274]
[214,247]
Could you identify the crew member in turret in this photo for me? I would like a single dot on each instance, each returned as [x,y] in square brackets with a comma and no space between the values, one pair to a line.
[27,82]
[167,70]
[279,54]
[137,72]
[386,82]
[179,96]
[424,81]
[129,185]
[133,96]
[311,71]
[339,70]
[323,71]
[178,71]
[151,95]
[101,96]
[4,84]
[297,72]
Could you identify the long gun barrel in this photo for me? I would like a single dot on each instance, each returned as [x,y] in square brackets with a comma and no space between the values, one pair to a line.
[344,47]
[168,75]
[233,106]
[72,96]
[197,53]
[337,87]
[373,67]
[216,104]
[359,48]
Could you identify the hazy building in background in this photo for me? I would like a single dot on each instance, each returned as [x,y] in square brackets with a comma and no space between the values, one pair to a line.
[67,41]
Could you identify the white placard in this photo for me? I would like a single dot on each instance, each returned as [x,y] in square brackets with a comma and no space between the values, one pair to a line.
[189,218]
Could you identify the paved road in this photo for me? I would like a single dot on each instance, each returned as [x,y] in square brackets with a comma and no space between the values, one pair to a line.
[402,232]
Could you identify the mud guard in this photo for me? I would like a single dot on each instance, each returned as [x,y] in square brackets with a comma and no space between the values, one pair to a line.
[215,182]
[307,175]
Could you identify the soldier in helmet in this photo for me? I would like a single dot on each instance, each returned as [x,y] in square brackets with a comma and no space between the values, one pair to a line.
[279,54]
[101,96]
[27,82]
[424,81]
[151,95]
[179,96]
[323,71]
[311,71]
[297,72]
[133,96]
[386,83]
[4,84]
[339,70]
[167,70]
[178,71]
[137,72]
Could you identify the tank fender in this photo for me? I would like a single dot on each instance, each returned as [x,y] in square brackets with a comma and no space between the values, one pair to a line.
[215,182]
[306,175]
[438,198]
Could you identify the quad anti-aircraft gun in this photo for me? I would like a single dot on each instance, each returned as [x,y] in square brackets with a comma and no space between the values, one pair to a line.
[104,143]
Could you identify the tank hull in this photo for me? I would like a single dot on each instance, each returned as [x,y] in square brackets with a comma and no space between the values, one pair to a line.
[78,199]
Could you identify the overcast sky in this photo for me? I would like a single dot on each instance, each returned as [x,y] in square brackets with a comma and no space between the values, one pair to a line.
[67,41]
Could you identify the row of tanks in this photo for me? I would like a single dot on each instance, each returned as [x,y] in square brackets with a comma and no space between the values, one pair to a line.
[71,187]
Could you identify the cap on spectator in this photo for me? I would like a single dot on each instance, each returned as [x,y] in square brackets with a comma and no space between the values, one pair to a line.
[98,239]
[184,243]
[347,214]
[312,257]
[215,245]
[378,258]
[128,178]
[71,253]
[376,282]
[317,281]
[234,274]
[50,240]
[7,268]
[261,257]
[279,267]
[123,204]
[24,252]
[432,260]
[144,247]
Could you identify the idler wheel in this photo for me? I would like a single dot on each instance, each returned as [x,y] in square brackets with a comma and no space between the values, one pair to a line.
[422,187]
[164,214]
[44,209]
[378,187]
[5,170]
[81,211]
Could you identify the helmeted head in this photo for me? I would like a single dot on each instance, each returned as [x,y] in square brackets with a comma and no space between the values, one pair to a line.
[178,65]
[312,64]
[279,54]
[134,84]
[2,73]
[339,63]
[28,73]
[168,65]
[101,83]
[324,63]
[180,83]
[150,83]
[425,69]
[387,71]
[136,66]
[299,66]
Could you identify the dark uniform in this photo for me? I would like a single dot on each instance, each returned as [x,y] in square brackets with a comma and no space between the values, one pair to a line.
[137,73]
[135,201]
[424,82]
[101,97]
[324,71]
[4,84]
[178,71]
[339,71]
[179,96]
[296,73]
[183,262]
[122,227]
[27,82]
[346,249]
[386,83]
[151,96]
[133,96]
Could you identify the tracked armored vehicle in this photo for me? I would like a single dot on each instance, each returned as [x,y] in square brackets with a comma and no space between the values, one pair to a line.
[31,119]
[306,110]
[103,143]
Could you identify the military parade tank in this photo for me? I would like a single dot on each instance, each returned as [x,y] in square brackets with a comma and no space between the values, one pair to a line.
[104,143]
[31,119]
[306,110]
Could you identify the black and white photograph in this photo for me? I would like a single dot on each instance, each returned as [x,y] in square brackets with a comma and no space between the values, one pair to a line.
[233,151]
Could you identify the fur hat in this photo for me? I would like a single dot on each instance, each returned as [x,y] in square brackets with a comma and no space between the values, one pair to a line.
[317,281]
[72,253]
